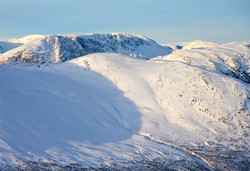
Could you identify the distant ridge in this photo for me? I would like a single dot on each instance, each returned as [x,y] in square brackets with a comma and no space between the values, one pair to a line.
[59,48]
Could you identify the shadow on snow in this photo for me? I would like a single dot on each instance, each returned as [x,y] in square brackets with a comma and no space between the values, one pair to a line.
[44,113]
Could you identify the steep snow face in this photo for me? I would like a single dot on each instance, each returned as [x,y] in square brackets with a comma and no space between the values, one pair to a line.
[106,108]
[62,48]
[232,59]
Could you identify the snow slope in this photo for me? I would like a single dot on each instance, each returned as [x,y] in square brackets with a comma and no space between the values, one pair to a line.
[232,59]
[54,48]
[8,44]
[106,108]
[25,39]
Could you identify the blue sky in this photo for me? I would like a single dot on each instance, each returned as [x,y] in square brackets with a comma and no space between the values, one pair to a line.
[165,21]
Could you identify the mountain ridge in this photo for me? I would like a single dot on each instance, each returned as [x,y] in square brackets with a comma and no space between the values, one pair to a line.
[59,48]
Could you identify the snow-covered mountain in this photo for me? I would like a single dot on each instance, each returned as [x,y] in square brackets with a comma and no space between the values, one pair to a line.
[198,44]
[106,110]
[52,48]
[8,44]
[231,59]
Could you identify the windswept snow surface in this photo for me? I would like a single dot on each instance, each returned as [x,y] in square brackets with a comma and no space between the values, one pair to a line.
[104,108]
[52,48]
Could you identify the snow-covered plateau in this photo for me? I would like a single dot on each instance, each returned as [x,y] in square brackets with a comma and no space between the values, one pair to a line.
[123,102]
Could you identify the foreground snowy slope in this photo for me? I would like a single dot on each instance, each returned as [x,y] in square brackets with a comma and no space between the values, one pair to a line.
[106,109]
[52,48]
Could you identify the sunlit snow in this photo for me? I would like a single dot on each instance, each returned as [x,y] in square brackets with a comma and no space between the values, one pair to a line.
[105,108]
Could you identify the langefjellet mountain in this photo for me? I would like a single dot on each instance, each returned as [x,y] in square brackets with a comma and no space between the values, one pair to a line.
[121,101]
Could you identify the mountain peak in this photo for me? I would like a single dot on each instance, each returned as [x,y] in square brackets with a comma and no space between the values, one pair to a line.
[199,44]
